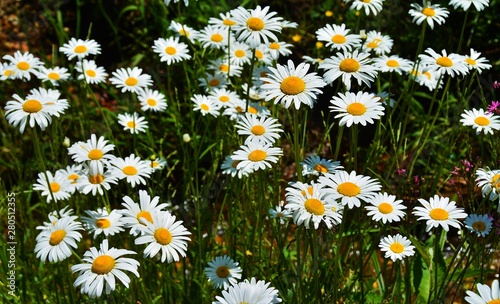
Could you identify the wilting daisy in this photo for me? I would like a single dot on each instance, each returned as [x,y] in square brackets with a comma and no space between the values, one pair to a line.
[396,247]
[133,122]
[6,71]
[481,121]
[94,151]
[349,65]
[252,291]
[384,207]
[90,72]
[205,105]
[443,63]
[133,213]
[54,75]
[80,48]
[474,62]
[240,53]
[370,6]
[279,48]
[486,295]
[256,26]
[152,100]
[184,30]
[287,85]
[214,37]
[280,212]
[489,182]
[357,108]
[439,211]
[55,242]
[101,268]
[96,182]
[392,63]
[465,4]
[266,129]
[133,169]
[56,186]
[101,221]
[171,50]
[223,272]
[310,204]
[428,12]
[350,188]
[255,155]
[338,37]
[378,43]
[213,81]
[480,224]
[223,97]
[131,80]
[229,165]
[166,235]
[23,64]
[315,165]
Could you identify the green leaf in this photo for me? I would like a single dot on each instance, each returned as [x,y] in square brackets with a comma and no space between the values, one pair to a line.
[421,279]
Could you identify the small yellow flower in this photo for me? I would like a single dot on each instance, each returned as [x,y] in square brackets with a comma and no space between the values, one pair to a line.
[328,13]
[319,44]
[297,38]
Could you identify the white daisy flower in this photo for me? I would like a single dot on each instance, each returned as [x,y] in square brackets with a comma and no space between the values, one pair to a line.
[439,211]
[266,129]
[23,64]
[213,81]
[338,37]
[157,163]
[481,121]
[133,169]
[489,182]
[427,77]
[396,247]
[222,66]
[152,100]
[252,291]
[380,44]
[55,105]
[131,80]
[56,215]
[7,71]
[357,108]
[384,207]
[205,105]
[133,122]
[56,185]
[225,21]
[371,6]
[466,4]
[385,99]
[101,268]
[72,173]
[443,63]
[262,55]
[349,65]
[256,26]
[171,50]
[474,62]
[486,294]
[133,213]
[19,112]
[239,107]
[54,75]
[315,165]
[229,165]
[255,155]
[80,48]
[479,224]
[90,72]
[214,37]
[392,63]
[428,12]
[279,48]
[184,30]
[96,182]
[240,53]
[101,221]
[223,97]
[167,2]
[223,272]
[55,242]
[94,152]
[166,235]
[280,212]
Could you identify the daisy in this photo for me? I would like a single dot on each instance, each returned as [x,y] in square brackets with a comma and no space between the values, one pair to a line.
[53,186]
[309,59]
[164,234]
[229,165]
[265,129]
[474,62]
[380,44]
[357,108]
[349,65]
[205,105]
[370,6]
[55,105]
[481,121]
[213,81]
[223,272]
[223,97]
[80,48]
[152,100]
[222,66]
[442,63]
[385,207]
[94,151]
[54,75]
[311,204]
[23,64]
[101,268]
[465,4]
[280,212]
[287,84]
[486,295]
[213,37]
[90,72]
[396,247]
[133,213]
[255,155]
[55,216]
[240,53]
[315,165]
[338,37]
[55,242]
[392,63]
[480,224]
[350,188]
[184,30]
[131,80]
[157,163]
[7,71]
[262,55]
[489,182]
[279,48]
[252,291]
[428,12]
[96,182]
[439,211]
[225,21]
[256,26]
[133,169]
[101,221]
[167,2]
[236,110]
[385,99]
[133,122]
[427,77]
[171,50]
[20,111]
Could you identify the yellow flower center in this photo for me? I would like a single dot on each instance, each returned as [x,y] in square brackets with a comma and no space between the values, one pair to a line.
[229,22]
[356,109]
[90,73]
[216,37]
[95,154]
[235,163]
[170,50]
[385,208]
[222,272]
[131,124]
[339,39]
[214,82]
[57,237]
[184,33]
[258,130]
[348,189]
[131,81]
[224,68]
[129,170]
[444,62]
[163,236]
[429,12]
[154,164]
[54,76]
[7,73]
[470,61]
[374,43]
[145,215]
[204,107]
[314,206]
[392,63]
[274,46]
[252,110]
[103,223]
[255,24]
[32,106]
[321,168]
[151,102]
[23,66]
[259,54]
[239,53]
[96,179]
[482,121]
[103,264]
[55,187]
[495,301]
[397,247]
[73,177]
[439,214]
[80,49]
[495,182]
[349,65]
[224,98]
[257,155]
[427,74]
[479,226]
[292,85]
